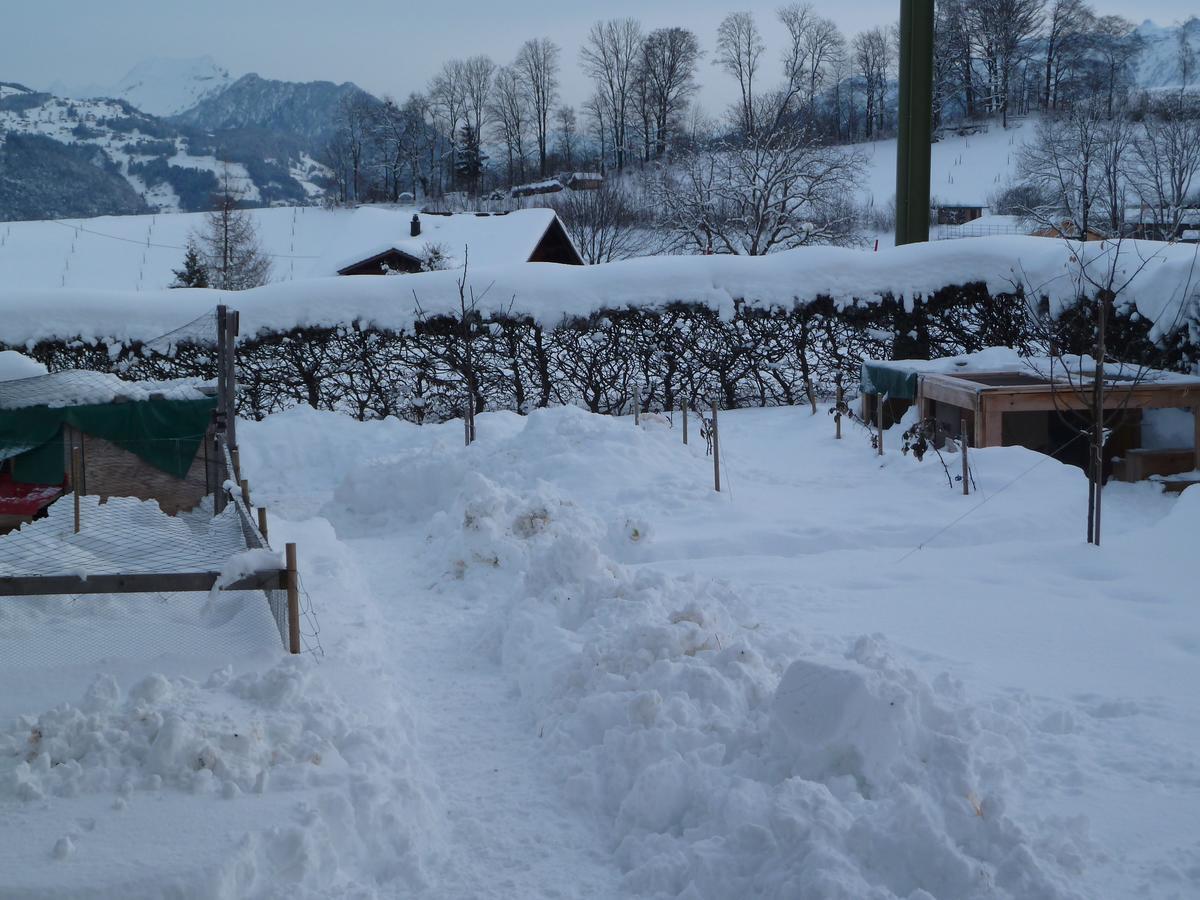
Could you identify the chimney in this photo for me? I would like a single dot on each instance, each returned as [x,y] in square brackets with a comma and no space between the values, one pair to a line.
[415,228]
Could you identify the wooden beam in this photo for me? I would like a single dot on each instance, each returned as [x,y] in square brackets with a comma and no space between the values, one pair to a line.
[145,583]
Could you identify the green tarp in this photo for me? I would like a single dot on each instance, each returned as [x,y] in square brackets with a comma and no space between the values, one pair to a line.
[897,384]
[164,433]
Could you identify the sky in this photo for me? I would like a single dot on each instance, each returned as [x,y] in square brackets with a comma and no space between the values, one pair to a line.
[388,47]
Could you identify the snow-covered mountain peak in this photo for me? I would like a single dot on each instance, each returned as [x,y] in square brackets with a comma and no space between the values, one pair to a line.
[165,87]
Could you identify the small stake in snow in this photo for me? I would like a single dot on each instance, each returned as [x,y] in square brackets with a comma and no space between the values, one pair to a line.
[879,420]
[76,468]
[262,521]
[293,599]
[966,472]
[246,493]
[716,450]
[685,406]
[637,406]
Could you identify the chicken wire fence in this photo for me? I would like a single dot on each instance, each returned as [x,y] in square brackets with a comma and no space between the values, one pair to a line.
[118,578]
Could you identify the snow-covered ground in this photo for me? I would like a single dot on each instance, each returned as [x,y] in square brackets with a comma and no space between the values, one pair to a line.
[141,253]
[559,665]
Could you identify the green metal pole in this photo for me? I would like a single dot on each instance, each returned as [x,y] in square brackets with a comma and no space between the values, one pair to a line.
[916,121]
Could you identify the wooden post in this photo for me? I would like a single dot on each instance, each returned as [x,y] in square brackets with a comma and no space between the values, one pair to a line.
[246,493]
[222,386]
[716,450]
[230,364]
[219,499]
[466,427]
[837,410]
[293,600]
[685,406]
[237,465]
[262,522]
[637,406]
[879,421]
[76,480]
[1196,436]
[966,473]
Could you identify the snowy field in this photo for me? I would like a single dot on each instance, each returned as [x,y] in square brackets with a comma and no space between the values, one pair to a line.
[559,665]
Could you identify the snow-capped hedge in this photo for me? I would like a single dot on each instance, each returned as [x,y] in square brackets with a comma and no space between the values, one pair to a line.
[743,331]
[1158,274]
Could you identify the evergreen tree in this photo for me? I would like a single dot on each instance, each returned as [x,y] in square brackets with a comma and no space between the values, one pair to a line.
[469,159]
[233,255]
[193,274]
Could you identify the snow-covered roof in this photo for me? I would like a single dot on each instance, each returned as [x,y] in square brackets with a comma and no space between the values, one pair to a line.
[1006,359]
[1163,278]
[487,239]
[79,387]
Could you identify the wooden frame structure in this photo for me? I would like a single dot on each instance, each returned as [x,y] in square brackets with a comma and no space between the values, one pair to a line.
[988,396]
[223,470]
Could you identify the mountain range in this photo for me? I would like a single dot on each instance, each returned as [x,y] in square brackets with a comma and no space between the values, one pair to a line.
[163,139]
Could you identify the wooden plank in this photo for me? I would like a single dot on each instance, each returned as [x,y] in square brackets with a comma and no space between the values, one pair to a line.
[947,391]
[145,583]
[1135,398]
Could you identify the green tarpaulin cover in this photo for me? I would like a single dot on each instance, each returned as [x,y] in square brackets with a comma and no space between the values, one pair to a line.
[164,433]
[897,384]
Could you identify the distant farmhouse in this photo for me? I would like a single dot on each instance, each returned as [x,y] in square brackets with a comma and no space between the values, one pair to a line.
[447,240]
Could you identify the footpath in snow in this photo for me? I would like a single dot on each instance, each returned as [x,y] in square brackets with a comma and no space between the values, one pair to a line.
[559,665]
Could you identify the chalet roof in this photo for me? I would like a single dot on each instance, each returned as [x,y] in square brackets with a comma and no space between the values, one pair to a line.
[491,239]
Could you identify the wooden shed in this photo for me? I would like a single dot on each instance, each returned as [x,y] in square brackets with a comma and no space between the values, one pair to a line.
[1026,403]
[106,437]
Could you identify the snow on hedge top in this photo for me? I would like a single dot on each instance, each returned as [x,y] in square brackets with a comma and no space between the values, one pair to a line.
[80,387]
[140,253]
[17,365]
[1161,276]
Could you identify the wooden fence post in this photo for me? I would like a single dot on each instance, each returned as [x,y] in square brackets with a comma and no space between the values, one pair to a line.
[837,409]
[262,522]
[246,494]
[219,498]
[879,421]
[716,450]
[293,600]
[962,433]
[76,480]
[685,406]
[637,406]
[237,465]
[466,427]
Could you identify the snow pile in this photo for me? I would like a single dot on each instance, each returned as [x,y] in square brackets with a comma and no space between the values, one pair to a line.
[718,769]
[14,365]
[275,735]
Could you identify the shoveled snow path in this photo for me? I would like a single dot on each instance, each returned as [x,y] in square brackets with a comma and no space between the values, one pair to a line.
[509,828]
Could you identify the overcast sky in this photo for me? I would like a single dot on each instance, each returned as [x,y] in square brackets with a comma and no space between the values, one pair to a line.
[386,46]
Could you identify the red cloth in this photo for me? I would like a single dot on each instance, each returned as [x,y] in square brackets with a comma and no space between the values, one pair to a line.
[25,499]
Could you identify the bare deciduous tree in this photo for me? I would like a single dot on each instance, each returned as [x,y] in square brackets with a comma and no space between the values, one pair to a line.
[603,223]
[510,110]
[537,64]
[739,48]
[771,191]
[610,56]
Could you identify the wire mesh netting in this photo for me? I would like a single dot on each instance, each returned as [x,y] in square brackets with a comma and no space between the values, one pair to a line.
[200,332]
